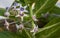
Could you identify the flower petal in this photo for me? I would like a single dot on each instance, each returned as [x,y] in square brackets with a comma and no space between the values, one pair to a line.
[21,5]
[34,18]
[35,29]
[7,25]
[17,15]
[18,9]
[21,26]
[32,30]
[25,11]
[17,26]
[25,6]
[21,18]
[26,15]
[2,17]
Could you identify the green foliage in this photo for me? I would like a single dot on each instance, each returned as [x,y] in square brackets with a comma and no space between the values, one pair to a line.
[55,10]
[43,6]
[51,28]
[7,34]
[2,11]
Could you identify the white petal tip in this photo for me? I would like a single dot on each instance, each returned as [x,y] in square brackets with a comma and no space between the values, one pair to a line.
[2,17]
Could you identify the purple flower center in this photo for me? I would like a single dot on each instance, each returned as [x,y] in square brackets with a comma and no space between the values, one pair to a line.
[21,9]
[15,3]
[21,14]
[7,8]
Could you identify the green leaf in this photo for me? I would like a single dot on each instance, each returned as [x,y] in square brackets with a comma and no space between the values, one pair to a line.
[29,1]
[7,34]
[55,33]
[53,21]
[25,34]
[55,10]
[43,6]
[2,11]
[51,27]
[47,31]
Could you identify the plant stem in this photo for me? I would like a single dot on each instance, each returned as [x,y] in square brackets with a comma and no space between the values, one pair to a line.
[31,14]
[27,33]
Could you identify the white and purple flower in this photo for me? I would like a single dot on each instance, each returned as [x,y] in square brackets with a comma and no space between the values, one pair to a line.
[21,26]
[21,16]
[22,9]
[34,18]
[15,5]
[21,13]
[35,29]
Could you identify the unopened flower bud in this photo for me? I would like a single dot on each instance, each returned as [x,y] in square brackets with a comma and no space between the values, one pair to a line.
[7,14]
[33,5]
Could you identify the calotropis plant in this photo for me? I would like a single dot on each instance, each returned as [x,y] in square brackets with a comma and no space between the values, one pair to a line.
[29,18]
[21,13]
